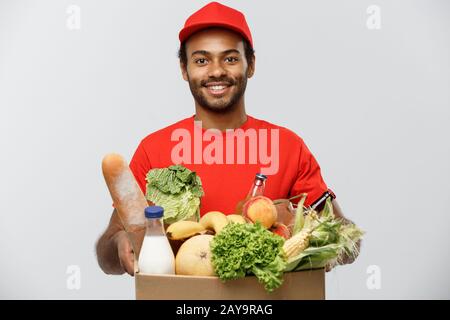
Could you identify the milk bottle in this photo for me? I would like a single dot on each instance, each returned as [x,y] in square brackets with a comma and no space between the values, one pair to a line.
[156,256]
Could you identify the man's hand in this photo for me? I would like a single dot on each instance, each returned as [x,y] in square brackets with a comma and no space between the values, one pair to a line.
[345,258]
[125,252]
[114,248]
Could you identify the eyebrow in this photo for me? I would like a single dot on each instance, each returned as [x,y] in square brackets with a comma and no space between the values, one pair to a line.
[206,53]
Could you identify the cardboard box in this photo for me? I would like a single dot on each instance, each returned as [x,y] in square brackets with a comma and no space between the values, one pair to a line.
[303,285]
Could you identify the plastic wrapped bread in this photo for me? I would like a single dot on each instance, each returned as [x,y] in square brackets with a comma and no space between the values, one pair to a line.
[127,196]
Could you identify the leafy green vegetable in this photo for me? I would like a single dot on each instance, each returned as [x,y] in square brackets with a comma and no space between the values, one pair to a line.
[244,249]
[177,189]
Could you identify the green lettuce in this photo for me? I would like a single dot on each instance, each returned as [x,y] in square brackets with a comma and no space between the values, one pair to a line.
[245,249]
[177,189]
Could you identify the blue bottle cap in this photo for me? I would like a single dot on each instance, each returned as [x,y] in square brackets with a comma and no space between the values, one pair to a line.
[154,212]
[261,176]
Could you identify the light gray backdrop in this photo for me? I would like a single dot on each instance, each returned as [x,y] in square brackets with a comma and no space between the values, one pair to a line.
[373,105]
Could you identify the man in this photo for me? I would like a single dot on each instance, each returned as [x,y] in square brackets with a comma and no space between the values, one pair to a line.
[216,59]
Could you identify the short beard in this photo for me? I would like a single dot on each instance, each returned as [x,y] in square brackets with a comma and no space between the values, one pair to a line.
[222,107]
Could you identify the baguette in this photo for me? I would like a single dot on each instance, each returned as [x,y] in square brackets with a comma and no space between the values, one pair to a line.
[127,196]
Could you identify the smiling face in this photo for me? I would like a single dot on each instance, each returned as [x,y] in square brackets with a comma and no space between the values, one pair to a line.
[217,69]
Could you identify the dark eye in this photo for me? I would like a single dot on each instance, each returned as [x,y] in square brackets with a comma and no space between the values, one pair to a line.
[200,61]
[231,59]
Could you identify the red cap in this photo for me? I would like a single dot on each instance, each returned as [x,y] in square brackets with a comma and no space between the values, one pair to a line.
[215,14]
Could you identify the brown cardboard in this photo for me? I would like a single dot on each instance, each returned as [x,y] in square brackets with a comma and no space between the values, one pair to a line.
[303,285]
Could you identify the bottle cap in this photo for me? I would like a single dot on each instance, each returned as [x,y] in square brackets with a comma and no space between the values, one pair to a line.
[154,212]
[261,176]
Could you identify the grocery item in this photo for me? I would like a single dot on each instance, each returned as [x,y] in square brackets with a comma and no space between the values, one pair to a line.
[178,190]
[260,209]
[297,244]
[184,229]
[299,217]
[128,199]
[194,257]
[257,189]
[236,218]
[281,230]
[326,237]
[214,220]
[319,203]
[156,256]
[244,249]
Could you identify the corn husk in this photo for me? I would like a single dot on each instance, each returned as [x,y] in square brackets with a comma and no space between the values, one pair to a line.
[299,216]
[330,240]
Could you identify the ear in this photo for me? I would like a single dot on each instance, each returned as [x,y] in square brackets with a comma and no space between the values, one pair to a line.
[184,71]
[251,67]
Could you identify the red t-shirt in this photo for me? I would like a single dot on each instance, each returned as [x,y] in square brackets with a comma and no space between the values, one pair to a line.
[225,179]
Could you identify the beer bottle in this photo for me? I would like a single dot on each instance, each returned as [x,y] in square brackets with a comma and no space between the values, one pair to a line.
[319,203]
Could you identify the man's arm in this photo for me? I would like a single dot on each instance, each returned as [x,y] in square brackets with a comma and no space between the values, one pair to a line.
[114,251]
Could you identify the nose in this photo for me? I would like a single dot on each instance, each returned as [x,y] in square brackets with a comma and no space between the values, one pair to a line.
[216,70]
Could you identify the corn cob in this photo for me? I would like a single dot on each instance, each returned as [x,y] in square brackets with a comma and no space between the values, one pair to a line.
[297,243]
[313,214]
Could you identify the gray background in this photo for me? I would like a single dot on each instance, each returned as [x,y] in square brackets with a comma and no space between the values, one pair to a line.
[372,105]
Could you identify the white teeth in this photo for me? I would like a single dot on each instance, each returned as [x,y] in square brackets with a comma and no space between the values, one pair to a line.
[217,87]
